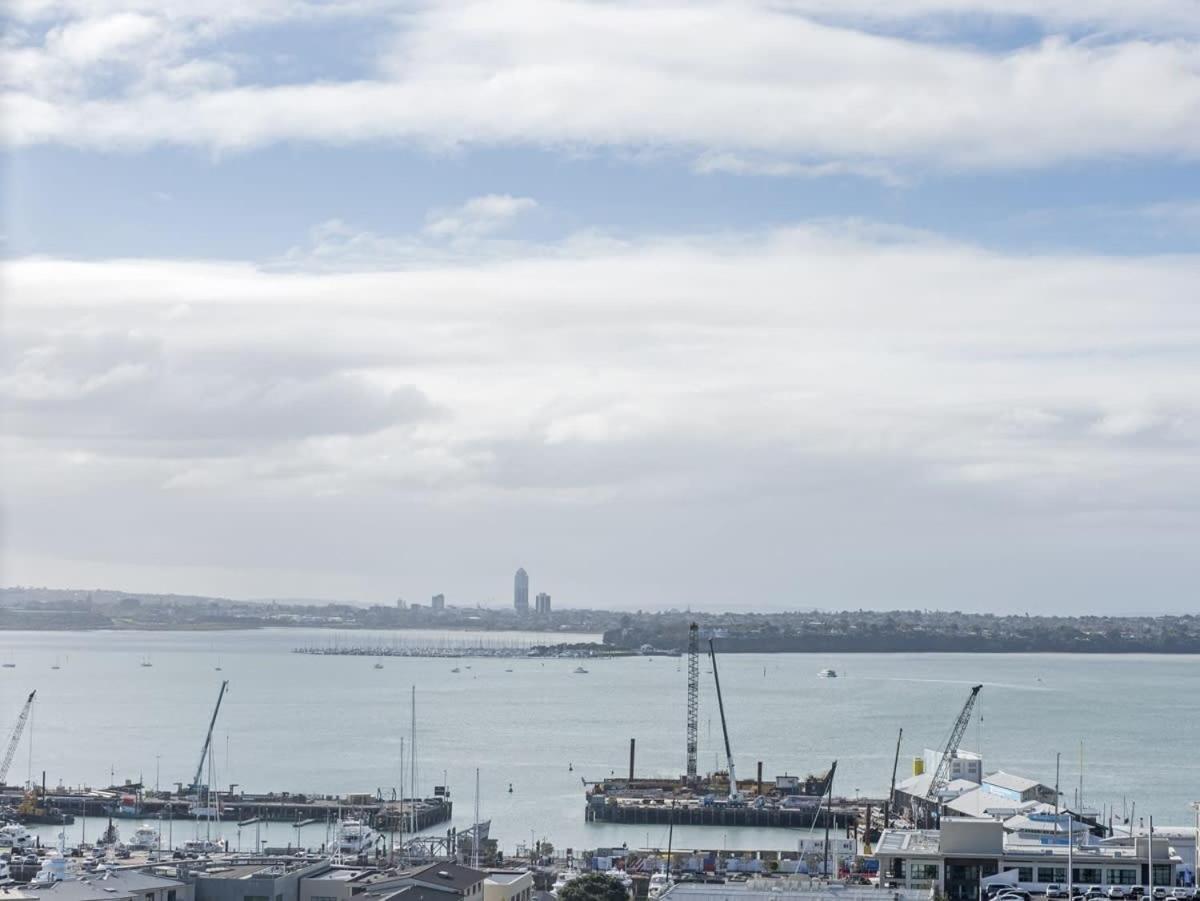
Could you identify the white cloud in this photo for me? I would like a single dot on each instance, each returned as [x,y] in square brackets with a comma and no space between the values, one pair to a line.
[477,217]
[746,85]
[663,402]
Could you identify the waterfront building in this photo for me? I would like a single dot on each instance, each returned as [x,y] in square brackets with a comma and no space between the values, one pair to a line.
[521,592]
[963,764]
[508,885]
[113,885]
[438,603]
[541,603]
[966,854]
[273,878]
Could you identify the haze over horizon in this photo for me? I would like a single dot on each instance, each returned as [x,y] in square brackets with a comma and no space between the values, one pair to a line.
[748,305]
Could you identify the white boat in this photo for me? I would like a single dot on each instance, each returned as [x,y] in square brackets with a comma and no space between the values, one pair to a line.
[626,879]
[378,666]
[563,878]
[659,883]
[145,836]
[580,669]
[355,837]
[52,870]
[14,835]
[828,674]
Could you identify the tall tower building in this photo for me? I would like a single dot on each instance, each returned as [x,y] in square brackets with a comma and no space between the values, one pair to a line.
[541,603]
[521,592]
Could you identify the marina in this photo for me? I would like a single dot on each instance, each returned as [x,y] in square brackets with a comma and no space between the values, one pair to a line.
[332,727]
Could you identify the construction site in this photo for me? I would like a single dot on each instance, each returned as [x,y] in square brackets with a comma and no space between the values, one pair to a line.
[718,798]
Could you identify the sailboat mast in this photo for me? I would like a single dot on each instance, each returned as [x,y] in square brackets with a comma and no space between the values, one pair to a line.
[412,753]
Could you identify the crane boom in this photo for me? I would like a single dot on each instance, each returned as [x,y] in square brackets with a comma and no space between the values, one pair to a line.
[887,810]
[693,698]
[733,791]
[16,737]
[941,776]
[208,737]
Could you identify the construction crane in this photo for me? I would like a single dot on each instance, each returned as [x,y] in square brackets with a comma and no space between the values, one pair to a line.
[196,784]
[887,810]
[16,736]
[693,699]
[941,776]
[733,789]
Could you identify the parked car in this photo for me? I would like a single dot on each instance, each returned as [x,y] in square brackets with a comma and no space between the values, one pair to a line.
[1054,890]
[1183,894]
[1094,891]
[1159,893]
[1115,893]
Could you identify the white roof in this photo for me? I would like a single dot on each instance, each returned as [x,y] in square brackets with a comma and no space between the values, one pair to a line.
[1002,779]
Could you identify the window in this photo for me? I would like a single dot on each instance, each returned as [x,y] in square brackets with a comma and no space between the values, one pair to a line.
[1090,875]
[1024,874]
[1123,877]
[1162,874]
[1052,874]
[170,894]
[924,871]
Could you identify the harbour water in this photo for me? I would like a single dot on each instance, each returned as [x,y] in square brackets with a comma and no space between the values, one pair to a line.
[303,723]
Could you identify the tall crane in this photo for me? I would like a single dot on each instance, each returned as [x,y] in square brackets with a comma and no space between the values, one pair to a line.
[733,790]
[887,808]
[16,736]
[208,738]
[693,699]
[941,776]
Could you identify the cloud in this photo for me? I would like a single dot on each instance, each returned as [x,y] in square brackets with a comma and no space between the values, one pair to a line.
[750,86]
[630,412]
[477,217]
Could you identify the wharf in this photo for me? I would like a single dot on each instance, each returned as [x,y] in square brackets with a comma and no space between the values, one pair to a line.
[721,814]
[384,815]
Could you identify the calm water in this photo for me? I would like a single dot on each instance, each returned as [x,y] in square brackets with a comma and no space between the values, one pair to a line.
[334,724]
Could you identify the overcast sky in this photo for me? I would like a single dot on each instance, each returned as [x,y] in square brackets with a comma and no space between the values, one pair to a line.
[837,303]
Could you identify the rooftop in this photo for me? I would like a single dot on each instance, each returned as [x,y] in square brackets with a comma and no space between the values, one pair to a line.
[909,841]
[114,884]
[452,875]
[1009,781]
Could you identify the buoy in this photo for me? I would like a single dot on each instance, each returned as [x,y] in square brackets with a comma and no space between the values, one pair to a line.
[510,788]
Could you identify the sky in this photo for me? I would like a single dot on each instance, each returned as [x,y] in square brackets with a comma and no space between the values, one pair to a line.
[731,305]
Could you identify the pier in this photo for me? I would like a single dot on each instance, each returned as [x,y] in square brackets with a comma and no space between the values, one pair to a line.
[700,814]
[129,802]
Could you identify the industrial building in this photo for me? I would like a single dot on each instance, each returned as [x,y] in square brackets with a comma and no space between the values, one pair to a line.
[965,854]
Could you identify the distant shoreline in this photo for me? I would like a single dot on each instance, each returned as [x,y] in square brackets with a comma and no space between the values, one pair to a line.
[725,646]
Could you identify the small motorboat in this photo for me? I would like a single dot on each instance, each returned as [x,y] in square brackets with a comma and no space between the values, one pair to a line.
[580,669]
[828,674]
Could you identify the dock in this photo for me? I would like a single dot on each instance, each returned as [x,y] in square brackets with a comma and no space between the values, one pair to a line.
[129,802]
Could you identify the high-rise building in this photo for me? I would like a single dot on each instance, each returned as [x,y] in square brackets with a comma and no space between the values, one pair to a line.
[438,602]
[521,592]
[541,603]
